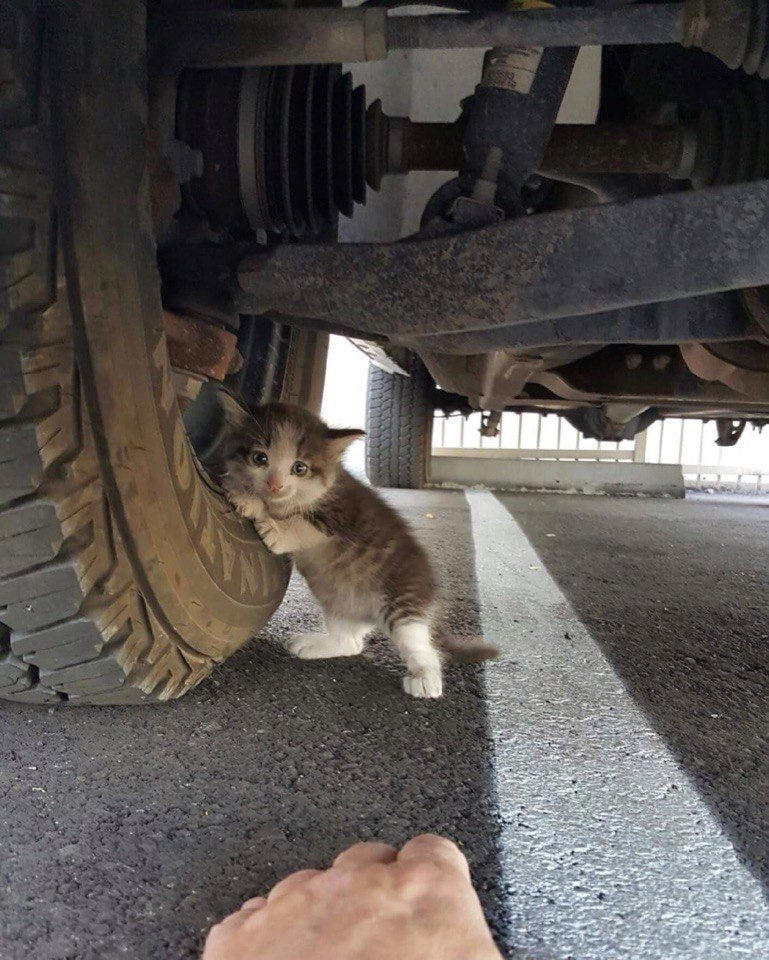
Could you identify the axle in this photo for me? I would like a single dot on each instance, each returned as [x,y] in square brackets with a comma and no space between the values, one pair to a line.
[203,39]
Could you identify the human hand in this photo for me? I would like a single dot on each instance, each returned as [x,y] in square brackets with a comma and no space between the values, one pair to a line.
[374,903]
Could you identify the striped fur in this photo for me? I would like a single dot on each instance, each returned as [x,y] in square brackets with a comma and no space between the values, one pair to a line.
[359,556]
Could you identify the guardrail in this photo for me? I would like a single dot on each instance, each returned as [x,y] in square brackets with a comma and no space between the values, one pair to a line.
[690,443]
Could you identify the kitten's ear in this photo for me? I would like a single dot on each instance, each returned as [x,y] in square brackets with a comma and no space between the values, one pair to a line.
[337,441]
[236,416]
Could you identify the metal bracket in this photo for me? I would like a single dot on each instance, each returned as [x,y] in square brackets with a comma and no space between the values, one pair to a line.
[378,357]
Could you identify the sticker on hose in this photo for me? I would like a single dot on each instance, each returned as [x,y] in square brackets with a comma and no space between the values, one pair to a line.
[513,68]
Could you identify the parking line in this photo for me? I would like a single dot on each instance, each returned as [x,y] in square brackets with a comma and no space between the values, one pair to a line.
[608,851]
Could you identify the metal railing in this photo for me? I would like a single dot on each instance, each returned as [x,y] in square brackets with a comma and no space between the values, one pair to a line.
[691,443]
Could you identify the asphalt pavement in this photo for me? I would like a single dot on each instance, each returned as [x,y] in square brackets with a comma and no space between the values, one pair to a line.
[608,776]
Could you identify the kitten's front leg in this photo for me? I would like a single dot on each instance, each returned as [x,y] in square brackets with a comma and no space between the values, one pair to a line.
[273,534]
[249,507]
[254,509]
[291,535]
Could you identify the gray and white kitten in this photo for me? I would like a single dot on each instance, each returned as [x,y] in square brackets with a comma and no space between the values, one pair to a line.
[359,557]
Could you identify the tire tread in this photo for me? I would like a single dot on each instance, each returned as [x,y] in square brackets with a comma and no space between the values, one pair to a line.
[399,426]
[74,628]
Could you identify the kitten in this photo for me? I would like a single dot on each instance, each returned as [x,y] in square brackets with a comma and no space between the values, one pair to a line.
[359,557]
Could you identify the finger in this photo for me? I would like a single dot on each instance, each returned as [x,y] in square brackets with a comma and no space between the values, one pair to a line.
[255,903]
[362,854]
[436,850]
[291,883]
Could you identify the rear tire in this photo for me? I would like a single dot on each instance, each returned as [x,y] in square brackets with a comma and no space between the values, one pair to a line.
[399,418]
[305,374]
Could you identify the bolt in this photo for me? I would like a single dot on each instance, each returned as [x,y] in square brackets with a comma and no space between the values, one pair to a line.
[633,360]
[661,361]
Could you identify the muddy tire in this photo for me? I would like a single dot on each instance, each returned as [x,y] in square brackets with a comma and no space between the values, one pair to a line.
[124,577]
[399,417]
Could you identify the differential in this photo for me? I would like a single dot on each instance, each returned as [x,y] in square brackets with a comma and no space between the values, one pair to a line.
[285,149]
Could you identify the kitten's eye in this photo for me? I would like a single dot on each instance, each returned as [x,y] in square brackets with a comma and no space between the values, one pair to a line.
[299,468]
[260,458]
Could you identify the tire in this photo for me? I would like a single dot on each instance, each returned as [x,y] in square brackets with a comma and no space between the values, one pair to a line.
[305,370]
[399,416]
[124,576]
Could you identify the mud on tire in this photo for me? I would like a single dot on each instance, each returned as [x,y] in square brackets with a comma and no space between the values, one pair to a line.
[80,622]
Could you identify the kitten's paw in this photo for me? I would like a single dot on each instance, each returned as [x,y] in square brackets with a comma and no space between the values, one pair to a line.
[257,509]
[307,646]
[321,646]
[249,507]
[428,684]
[270,534]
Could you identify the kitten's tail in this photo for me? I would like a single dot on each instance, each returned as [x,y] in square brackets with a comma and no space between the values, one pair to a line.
[470,649]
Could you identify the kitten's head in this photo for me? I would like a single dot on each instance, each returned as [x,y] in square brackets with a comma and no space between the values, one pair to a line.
[281,454]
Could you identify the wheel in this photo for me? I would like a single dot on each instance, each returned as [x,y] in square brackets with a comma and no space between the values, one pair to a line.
[399,419]
[124,576]
[305,370]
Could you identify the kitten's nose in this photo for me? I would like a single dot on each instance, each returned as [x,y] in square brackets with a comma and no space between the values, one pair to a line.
[274,485]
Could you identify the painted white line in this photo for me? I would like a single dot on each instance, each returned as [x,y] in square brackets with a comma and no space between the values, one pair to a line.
[607,850]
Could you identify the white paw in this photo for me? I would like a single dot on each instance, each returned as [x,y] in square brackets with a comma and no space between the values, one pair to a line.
[269,534]
[257,509]
[252,508]
[428,684]
[321,646]
[307,646]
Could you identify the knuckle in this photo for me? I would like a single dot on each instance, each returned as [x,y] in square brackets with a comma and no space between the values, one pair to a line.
[432,843]
[442,854]
[374,878]
[419,873]
[218,933]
